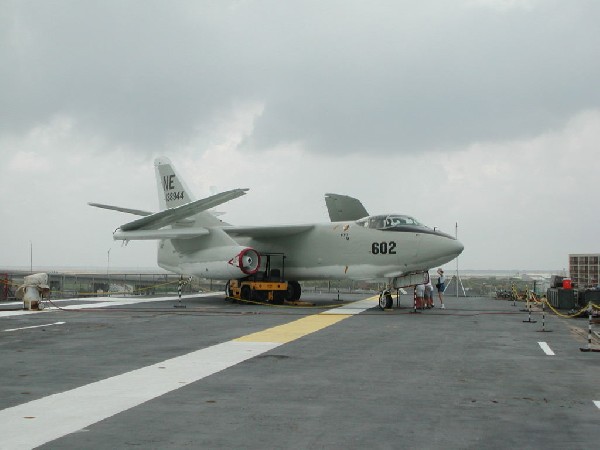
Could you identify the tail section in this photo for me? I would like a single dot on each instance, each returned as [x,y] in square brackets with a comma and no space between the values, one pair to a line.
[172,191]
[191,240]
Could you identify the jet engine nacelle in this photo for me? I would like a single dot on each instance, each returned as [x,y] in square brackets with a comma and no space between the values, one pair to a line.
[223,263]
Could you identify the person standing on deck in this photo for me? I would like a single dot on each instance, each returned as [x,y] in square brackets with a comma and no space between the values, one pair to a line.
[441,286]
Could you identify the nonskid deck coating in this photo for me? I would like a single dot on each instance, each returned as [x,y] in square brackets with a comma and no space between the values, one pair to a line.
[473,375]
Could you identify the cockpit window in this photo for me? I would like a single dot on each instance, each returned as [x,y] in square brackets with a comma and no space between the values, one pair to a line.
[388,222]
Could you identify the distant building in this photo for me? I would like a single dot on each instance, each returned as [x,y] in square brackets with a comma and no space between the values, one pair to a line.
[585,269]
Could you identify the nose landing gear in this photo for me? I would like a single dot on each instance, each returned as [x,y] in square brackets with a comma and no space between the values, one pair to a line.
[385,299]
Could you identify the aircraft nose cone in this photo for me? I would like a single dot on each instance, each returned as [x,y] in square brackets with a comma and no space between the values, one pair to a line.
[450,247]
[436,250]
[458,247]
[453,248]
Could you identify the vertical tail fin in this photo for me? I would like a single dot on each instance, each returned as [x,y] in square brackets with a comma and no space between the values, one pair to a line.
[172,190]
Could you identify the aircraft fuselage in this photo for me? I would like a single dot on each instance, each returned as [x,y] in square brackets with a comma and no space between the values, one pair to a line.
[341,250]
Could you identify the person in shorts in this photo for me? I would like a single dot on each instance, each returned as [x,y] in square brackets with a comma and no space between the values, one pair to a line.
[441,286]
[429,295]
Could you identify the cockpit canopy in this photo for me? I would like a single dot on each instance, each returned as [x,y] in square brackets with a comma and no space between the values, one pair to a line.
[389,222]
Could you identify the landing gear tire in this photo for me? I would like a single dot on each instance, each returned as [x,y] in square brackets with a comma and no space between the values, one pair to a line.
[385,300]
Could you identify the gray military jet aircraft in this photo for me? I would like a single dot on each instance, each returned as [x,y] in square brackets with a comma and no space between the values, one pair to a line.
[393,248]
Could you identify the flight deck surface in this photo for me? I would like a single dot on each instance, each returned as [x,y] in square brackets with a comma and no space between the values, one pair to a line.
[121,373]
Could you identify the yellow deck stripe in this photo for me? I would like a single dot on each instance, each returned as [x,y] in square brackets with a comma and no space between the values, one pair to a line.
[294,330]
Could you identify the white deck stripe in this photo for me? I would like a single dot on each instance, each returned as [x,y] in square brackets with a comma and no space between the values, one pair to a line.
[35,326]
[39,421]
[101,303]
[355,307]
[34,423]
[547,350]
[597,403]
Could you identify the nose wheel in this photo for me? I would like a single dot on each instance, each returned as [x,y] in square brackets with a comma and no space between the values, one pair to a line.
[385,300]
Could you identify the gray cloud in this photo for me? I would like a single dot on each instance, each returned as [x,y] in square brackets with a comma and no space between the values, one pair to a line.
[482,112]
[336,76]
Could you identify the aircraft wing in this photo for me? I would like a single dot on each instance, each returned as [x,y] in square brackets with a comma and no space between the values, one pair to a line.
[170,216]
[169,233]
[137,212]
[270,231]
[342,208]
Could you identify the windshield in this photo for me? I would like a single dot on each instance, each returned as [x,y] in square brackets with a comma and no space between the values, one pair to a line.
[390,221]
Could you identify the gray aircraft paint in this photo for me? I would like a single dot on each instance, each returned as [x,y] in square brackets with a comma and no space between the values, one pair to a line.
[210,248]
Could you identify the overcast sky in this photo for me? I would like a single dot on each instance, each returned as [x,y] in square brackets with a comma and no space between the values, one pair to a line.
[484,113]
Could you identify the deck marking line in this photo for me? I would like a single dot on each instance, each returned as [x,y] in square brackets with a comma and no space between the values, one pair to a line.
[597,403]
[288,332]
[63,413]
[40,421]
[547,350]
[35,326]
[354,308]
[102,303]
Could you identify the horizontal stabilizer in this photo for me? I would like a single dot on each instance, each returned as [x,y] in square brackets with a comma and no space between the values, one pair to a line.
[272,231]
[175,233]
[137,212]
[343,208]
[169,216]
